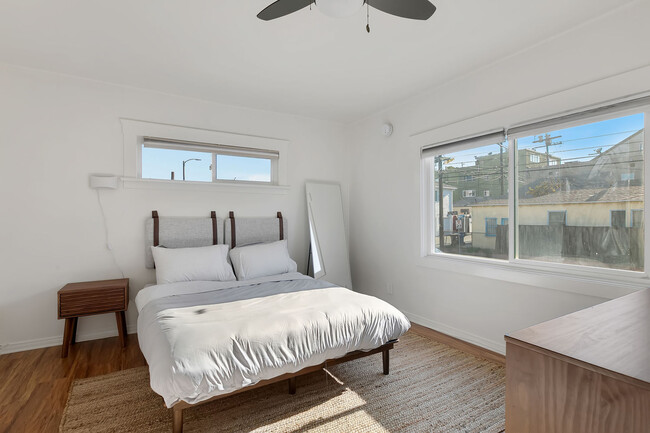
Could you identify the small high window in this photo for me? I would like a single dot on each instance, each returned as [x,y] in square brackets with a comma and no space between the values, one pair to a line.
[203,162]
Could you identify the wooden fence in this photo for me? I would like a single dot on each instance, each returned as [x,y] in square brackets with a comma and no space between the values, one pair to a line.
[609,245]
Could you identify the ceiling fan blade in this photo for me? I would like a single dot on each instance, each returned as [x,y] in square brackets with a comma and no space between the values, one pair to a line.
[414,9]
[281,8]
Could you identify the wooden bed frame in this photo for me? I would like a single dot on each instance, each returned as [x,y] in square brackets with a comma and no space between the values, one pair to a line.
[290,377]
[214,237]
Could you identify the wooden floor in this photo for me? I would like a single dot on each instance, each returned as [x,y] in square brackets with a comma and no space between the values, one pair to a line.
[34,384]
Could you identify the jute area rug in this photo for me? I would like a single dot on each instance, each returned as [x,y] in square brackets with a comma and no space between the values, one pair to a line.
[431,388]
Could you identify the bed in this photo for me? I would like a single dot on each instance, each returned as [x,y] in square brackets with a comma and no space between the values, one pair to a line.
[206,339]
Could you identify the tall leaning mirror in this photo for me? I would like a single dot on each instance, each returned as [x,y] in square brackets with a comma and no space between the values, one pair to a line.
[329,257]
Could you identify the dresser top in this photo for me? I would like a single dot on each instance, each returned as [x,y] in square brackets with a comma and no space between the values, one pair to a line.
[612,338]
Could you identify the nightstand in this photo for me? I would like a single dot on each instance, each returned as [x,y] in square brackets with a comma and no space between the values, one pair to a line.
[89,298]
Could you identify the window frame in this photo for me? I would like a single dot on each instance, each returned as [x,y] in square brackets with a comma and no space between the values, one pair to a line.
[215,150]
[548,216]
[134,132]
[605,282]
[472,191]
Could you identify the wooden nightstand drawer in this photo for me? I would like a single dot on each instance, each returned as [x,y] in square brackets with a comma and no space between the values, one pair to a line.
[80,303]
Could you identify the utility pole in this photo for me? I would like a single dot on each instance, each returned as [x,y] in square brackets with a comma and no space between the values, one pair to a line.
[501,165]
[548,141]
[441,220]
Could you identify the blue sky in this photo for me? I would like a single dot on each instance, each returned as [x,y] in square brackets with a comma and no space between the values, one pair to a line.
[159,163]
[578,143]
[581,142]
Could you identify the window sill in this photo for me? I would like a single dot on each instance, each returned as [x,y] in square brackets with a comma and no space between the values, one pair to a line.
[175,185]
[591,281]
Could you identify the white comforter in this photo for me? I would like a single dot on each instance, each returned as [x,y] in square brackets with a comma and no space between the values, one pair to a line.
[207,338]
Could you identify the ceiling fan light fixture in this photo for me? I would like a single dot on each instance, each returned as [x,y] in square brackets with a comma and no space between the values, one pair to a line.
[339,8]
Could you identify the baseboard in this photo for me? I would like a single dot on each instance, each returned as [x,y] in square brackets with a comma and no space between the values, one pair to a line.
[495,346]
[39,343]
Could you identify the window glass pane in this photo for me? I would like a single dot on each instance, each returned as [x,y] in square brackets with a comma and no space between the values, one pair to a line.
[490,227]
[576,187]
[161,163]
[618,218]
[474,186]
[243,168]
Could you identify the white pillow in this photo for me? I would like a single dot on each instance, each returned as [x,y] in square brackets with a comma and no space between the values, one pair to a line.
[192,264]
[260,260]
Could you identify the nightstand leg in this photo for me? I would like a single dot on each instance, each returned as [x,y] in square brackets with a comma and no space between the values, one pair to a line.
[120,318]
[67,337]
[74,330]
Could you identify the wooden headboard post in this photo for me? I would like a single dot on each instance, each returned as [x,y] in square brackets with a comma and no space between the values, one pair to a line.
[213,215]
[281,226]
[156,228]
[233,242]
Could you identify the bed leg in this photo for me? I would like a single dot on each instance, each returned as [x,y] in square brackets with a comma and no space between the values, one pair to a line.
[292,385]
[178,419]
[386,358]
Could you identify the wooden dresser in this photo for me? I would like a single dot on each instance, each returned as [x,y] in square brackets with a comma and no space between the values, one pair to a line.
[586,372]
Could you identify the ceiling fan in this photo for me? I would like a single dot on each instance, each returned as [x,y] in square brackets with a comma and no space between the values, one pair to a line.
[413,9]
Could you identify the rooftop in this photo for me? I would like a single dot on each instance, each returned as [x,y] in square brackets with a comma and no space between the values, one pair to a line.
[585,195]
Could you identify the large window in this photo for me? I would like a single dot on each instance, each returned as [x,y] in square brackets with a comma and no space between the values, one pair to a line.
[577,191]
[455,226]
[586,186]
[200,162]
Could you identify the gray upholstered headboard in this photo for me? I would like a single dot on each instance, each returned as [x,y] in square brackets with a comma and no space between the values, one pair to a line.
[184,232]
[247,231]
[181,232]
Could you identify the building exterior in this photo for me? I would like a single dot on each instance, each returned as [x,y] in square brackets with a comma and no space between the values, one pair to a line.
[621,163]
[488,176]
[447,208]
[618,206]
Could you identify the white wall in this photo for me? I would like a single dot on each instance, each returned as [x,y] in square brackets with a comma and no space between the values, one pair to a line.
[56,130]
[601,60]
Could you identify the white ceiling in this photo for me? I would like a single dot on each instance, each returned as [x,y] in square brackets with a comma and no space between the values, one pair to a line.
[304,63]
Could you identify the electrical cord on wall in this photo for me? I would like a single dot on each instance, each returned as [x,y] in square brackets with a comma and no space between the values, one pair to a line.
[106,236]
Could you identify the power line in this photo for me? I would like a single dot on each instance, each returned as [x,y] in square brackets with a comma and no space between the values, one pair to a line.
[566,141]
[602,135]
